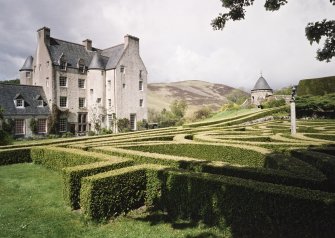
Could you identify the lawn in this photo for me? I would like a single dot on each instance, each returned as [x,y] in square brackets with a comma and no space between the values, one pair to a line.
[32,206]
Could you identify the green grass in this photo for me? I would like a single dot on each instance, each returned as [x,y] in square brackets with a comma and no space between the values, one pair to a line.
[32,206]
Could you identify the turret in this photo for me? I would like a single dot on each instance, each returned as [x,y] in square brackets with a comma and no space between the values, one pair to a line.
[26,71]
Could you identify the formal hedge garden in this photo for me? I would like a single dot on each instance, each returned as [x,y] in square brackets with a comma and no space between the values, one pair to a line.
[253,177]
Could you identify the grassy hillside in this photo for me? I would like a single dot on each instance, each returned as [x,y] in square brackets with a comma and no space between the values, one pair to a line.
[196,93]
[317,86]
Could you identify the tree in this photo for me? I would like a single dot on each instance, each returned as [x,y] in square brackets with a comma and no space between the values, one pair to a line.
[314,31]
[178,108]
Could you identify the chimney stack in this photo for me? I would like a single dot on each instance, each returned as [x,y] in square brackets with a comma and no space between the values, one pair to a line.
[88,44]
[44,35]
[132,42]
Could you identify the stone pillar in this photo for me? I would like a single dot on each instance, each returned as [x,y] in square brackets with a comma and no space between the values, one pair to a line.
[293,118]
[293,114]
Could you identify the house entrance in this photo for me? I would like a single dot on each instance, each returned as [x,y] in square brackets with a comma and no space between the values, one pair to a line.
[133,121]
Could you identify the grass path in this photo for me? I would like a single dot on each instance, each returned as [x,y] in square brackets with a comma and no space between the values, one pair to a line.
[32,206]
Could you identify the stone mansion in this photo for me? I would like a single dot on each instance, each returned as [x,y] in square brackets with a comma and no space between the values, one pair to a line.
[91,87]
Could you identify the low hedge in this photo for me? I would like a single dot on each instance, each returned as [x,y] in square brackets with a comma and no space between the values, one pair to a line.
[324,162]
[206,152]
[316,180]
[109,194]
[251,209]
[57,158]
[15,156]
[327,150]
[153,158]
[72,178]
[330,137]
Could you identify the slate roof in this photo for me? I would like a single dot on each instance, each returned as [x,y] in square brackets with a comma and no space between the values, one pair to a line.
[30,95]
[98,61]
[74,52]
[28,64]
[261,84]
[114,54]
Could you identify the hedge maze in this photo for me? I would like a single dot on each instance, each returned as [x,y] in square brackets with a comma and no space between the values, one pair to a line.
[254,177]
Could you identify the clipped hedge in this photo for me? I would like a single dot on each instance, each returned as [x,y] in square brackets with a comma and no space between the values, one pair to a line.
[324,162]
[251,209]
[72,177]
[210,152]
[290,178]
[109,194]
[153,158]
[15,156]
[57,158]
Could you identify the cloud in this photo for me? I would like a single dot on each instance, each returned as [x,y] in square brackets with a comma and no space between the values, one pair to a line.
[176,39]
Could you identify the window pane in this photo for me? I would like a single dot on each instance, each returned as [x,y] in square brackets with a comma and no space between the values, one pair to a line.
[19,126]
[63,101]
[62,81]
[62,124]
[42,125]
[81,83]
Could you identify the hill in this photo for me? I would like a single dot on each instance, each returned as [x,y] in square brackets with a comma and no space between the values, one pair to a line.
[196,93]
[316,86]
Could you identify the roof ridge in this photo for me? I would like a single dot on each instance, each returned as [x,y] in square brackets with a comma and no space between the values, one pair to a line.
[25,85]
[97,49]
[113,46]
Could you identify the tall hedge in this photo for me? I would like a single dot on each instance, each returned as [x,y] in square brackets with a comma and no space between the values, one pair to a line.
[317,86]
[72,178]
[14,156]
[251,209]
[57,158]
[109,194]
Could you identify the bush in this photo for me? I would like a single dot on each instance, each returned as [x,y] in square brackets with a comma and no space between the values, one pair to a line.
[5,138]
[273,103]
[57,158]
[123,125]
[72,177]
[15,156]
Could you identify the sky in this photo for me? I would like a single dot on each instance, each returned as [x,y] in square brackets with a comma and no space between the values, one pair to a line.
[176,40]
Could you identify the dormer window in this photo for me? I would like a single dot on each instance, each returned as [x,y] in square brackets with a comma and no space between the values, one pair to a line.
[81,66]
[40,103]
[19,103]
[122,69]
[62,63]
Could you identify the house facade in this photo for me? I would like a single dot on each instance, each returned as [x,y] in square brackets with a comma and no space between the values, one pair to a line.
[21,104]
[260,92]
[90,87]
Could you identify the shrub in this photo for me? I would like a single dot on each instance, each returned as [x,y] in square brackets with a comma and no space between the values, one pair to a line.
[72,177]
[5,138]
[14,156]
[123,125]
[57,158]
[273,103]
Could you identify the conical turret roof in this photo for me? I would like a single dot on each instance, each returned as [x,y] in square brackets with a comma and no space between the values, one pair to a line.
[261,84]
[28,64]
[96,62]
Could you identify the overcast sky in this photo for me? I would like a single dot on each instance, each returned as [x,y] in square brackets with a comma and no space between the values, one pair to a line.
[176,39]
